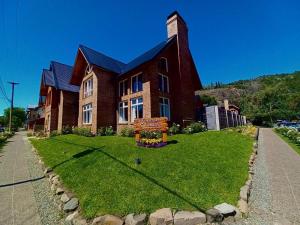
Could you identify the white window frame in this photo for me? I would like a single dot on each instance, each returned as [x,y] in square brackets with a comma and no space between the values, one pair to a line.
[131,85]
[122,108]
[88,108]
[167,65]
[162,75]
[123,82]
[135,107]
[88,87]
[163,114]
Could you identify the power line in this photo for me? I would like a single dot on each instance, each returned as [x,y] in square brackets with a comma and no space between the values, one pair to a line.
[2,89]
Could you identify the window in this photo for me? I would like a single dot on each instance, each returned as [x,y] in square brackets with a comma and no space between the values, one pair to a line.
[137,83]
[123,87]
[123,112]
[88,88]
[87,113]
[164,107]
[163,65]
[163,83]
[136,108]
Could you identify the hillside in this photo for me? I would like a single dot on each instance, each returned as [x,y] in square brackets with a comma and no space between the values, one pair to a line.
[264,99]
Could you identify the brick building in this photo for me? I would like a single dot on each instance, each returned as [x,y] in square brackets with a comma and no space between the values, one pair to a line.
[58,98]
[160,82]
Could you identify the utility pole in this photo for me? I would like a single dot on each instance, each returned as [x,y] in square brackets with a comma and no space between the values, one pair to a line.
[11,102]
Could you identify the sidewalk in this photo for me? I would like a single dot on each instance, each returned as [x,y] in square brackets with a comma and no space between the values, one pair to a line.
[25,198]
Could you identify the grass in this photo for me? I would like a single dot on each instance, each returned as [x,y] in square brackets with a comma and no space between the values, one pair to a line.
[293,145]
[192,172]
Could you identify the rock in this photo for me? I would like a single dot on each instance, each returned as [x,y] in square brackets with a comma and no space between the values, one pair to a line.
[79,221]
[243,206]
[133,219]
[161,217]
[225,209]
[53,187]
[59,191]
[72,216]
[71,205]
[64,198]
[48,170]
[108,220]
[51,176]
[213,215]
[40,161]
[189,218]
[238,215]
[244,193]
[55,180]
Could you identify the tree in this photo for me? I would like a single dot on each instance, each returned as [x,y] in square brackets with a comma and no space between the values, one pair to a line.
[208,100]
[18,117]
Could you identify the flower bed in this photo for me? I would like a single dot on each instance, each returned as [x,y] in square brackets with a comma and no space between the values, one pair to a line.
[151,139]
[290,133]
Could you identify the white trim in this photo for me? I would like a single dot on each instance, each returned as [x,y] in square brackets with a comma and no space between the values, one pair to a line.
[169,107]
[123,108]
[135,75]
[136,105]
[163,75]
[87,108]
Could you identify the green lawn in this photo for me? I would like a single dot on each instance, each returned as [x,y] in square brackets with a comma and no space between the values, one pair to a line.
[290,143]
[191,172]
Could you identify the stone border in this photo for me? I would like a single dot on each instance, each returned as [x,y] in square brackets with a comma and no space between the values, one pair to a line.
[220,213]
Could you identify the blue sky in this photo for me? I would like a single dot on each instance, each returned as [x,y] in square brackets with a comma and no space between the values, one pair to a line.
[229,40]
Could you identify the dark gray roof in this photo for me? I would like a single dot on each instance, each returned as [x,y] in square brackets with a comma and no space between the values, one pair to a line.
[101,60]
[59,76]
[108,63]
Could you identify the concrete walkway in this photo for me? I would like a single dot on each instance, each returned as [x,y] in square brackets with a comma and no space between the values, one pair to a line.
[24,193]
[275,196]
[283,165]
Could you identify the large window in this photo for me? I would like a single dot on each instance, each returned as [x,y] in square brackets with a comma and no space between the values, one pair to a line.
[87,111]
[88,88]
[164,107]
[123,112]
[137,83]
[123,87]
[163,83]
[136,108]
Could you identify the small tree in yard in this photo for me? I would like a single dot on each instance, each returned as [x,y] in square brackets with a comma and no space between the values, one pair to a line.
[18,117]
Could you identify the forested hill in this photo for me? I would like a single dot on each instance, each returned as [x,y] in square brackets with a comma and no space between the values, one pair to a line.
[264,99]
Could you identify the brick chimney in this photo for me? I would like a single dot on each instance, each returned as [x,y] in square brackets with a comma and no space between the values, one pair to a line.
[177,26]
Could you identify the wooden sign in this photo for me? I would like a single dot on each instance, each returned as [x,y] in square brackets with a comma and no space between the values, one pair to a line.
[151,124]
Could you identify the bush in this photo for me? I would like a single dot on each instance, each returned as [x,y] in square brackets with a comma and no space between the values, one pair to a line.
[54,133]
[40,133]
[151,134]
[29,134]
[195,127]
[2,139]
[291,133]
[82,131]
[67,130]
[105,131]
[174,129]
[127,132]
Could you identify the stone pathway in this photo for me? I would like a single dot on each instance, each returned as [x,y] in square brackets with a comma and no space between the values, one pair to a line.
[24,192]
[275,197]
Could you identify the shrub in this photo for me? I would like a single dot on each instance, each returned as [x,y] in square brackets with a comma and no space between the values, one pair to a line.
[2,139]
[40,133]
[127,132]
[54,133]
[151,134]
[174,129]
[109,131]
[29,134]
[195,127]
[82,131]
[290,133]
[66,130]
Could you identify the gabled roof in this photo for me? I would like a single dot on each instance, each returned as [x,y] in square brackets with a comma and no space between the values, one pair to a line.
[96,58]
[59,76]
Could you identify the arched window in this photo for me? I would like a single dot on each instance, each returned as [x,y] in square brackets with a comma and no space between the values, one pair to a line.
[163,65]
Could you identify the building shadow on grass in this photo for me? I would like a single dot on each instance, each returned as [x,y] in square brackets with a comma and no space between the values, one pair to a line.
[91,149]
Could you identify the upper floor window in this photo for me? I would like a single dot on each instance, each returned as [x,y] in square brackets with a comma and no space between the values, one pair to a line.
[137,83]
[123,87]
[163,65]
[87,112]
[163,83]
[136,108]
[164,107]
[123,112]
[88,88]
